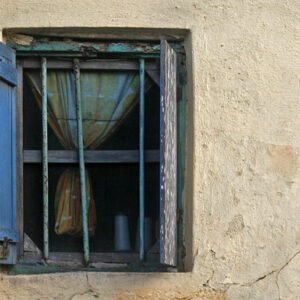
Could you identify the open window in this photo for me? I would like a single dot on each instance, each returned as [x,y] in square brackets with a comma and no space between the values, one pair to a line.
[96,156]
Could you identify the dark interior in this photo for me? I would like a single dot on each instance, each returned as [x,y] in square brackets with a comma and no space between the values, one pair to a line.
[115,186]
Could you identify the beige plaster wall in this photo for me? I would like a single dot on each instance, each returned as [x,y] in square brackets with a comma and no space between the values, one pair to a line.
[242,196]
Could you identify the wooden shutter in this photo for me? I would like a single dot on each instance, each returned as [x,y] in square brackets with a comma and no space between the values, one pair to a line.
[168,156]
[8,82]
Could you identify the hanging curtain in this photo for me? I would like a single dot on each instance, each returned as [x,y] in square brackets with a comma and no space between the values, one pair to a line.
[107,98]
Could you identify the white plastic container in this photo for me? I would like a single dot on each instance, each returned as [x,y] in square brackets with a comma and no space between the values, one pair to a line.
[122,239]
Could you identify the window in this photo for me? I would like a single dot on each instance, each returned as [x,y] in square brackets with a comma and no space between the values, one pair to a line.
[96,154]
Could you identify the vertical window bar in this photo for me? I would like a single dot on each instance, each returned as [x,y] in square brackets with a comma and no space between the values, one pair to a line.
[81,163]
[142,164]
[45,157]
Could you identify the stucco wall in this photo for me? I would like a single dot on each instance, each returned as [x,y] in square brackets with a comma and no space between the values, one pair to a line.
[242,196]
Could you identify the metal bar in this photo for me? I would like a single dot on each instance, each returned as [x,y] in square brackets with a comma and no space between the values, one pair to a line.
[81,163]
[91,156]
[45,157]
[142,163]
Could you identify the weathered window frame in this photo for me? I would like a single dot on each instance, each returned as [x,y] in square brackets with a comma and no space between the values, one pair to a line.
[124,51]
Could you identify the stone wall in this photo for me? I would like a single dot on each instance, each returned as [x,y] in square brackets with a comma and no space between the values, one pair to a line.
[242,196]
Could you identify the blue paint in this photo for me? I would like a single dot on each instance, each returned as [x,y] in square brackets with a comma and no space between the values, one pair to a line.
[13,155]
[86,248]
[127,47]
[10,233]
[142,163]
[8,54]
[8,157]
[45,158]
[8,73]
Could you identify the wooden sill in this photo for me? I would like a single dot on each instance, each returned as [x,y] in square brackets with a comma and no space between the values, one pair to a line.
[97,156]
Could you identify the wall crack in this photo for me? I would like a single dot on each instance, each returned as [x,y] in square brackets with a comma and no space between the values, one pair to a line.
[284,266]
[277,272]
[89,290]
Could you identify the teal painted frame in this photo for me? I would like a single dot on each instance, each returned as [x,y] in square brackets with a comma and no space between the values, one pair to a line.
[94,49]
[130,50]
[45,157]
[86,247]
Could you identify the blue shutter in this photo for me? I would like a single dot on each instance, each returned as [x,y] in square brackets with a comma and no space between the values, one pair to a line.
[8,81]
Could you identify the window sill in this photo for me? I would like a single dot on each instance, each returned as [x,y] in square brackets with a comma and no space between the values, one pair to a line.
[31,268]
[60,262]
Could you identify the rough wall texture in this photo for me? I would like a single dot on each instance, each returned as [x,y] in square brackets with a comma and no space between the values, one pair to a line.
[242,191]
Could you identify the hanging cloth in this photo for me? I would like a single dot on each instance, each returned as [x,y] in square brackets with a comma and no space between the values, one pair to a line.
[107,98]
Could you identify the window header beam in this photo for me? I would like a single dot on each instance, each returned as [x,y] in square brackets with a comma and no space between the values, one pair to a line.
[90,49]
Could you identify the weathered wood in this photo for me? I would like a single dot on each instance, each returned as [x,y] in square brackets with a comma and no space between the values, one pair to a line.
[96,33]
[101,156]
[94,64]
[19,156]
[77,257]
[168,156]
[30,246]
[88,49]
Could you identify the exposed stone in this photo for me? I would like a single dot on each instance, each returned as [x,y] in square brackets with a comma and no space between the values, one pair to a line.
[283,160]
[21,39]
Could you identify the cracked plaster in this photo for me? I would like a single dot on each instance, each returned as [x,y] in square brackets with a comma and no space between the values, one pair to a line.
[242,229]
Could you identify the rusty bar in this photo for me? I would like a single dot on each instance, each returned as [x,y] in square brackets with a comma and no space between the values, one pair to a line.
[142,163]
[86,249]
[45,157]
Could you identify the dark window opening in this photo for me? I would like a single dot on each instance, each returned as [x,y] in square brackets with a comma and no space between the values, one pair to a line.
[115,186]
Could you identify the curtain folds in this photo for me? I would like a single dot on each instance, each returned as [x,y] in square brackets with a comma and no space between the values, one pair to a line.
[107,98]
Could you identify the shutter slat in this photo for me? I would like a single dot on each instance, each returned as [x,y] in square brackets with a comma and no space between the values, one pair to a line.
[168,157]
[7,54]
[8,233]
[8,73]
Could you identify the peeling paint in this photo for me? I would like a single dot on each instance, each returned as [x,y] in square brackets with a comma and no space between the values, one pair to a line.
[283,160]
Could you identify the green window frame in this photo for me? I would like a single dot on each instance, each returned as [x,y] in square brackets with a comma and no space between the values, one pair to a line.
[37,56]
